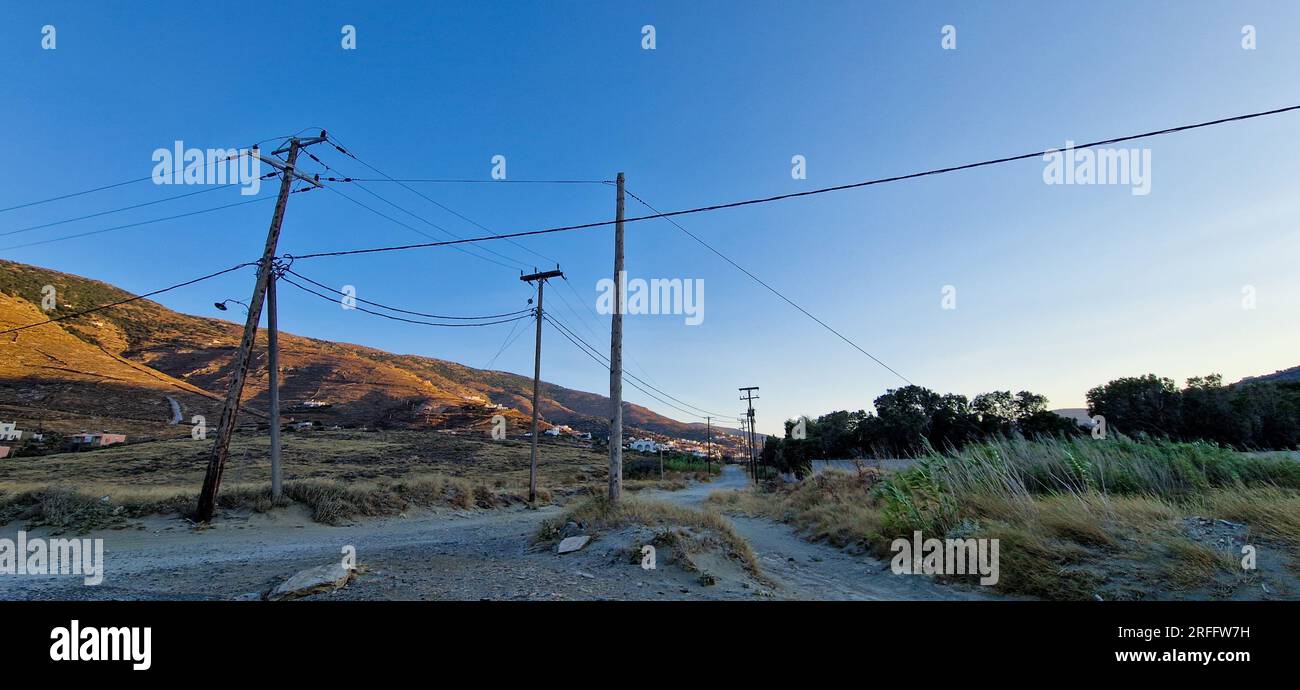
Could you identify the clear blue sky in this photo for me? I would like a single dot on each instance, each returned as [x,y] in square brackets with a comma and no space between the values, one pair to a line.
[1059,288]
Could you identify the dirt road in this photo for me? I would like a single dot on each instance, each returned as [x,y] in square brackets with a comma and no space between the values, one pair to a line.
[460,555]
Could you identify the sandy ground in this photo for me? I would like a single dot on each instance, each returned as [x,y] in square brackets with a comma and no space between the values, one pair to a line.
[461,555]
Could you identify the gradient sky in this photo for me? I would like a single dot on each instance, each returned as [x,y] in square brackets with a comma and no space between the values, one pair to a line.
[1059,288]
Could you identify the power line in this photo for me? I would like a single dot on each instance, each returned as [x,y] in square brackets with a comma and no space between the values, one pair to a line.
[116,184]
[119,210]
[353,156]
[771,289]
[605,364]
[398,318]
[605,360]
[417,230]
[509,340]
[137,224]
[74,194]
[405,311]
[128,300]
[422,219]
[468,181]
[588,317]
[811,192]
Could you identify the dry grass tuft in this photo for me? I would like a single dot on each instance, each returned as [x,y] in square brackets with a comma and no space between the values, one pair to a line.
[86,507]
[599,514]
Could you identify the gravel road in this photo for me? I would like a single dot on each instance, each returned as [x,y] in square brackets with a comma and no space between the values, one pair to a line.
[455,555]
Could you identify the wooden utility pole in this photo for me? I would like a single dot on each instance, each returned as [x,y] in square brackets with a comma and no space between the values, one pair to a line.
[616,356]
[537,373]
[750,398]
[708,454]
[221,447]
[273,382]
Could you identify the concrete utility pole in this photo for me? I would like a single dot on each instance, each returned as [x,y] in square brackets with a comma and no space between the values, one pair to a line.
[221,447]
[616,356]
[537,372]
[750,398]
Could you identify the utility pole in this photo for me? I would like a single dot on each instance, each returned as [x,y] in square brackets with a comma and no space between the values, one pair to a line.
[616,356]
[273,379]
[744,429]
[750,398]
[221,447]
[708,454]
[537,372]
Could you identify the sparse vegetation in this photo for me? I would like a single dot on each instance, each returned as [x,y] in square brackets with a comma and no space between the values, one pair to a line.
[687,528]
[66,508]
[1075,516]
[678,467]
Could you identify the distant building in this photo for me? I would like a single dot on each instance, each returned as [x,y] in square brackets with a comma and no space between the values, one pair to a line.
[553,431]
[315,403]
[645,445]
[9,431]
[301,426]
[4,451]
[88,439]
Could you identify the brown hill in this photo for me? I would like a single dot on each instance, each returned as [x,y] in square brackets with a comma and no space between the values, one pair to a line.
[118,367]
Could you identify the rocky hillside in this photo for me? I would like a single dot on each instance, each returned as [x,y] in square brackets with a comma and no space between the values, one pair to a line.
[118,368]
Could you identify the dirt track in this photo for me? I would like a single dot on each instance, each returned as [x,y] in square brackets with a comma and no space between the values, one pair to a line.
[466,555]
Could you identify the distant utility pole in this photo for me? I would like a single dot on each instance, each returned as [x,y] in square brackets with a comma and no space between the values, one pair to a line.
[221,448]
[537,372]
[708,454]
[744,430]
[616,356]
[750,398]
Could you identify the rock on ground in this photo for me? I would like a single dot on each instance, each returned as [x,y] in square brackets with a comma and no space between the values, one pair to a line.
[323,578]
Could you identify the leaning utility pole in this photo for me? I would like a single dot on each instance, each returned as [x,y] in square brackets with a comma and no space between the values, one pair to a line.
[537,372]
[616,356]
[220,449]
[750,398]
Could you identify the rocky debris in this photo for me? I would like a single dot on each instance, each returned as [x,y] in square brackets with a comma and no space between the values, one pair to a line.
[570,544]
[707,579]
[322,578]
[1221,534]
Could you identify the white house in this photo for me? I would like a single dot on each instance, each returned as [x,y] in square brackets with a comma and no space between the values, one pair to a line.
[645,445]
[9,432]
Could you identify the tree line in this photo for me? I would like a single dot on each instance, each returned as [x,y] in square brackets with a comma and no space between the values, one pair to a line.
[913,420]
[1246,416]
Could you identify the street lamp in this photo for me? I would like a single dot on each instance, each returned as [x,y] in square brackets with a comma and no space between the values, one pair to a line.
[222,304]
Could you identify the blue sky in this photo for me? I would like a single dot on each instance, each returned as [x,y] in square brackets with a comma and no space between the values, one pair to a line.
[1059,288]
